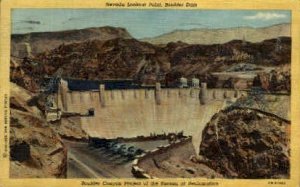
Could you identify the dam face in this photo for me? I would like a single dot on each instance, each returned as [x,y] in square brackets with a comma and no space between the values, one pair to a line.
[141,112]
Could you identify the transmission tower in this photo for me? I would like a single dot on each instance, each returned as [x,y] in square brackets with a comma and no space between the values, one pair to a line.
[51,87]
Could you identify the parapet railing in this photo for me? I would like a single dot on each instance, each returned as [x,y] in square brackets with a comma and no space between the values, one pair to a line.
[159,94]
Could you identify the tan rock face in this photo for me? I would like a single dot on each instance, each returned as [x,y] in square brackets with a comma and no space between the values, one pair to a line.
[244,143]
[70,128]
[214,36]
[35,149]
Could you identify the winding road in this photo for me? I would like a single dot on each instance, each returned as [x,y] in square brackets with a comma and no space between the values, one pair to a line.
[89,162]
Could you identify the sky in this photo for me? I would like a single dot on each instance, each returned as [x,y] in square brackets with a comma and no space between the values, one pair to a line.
[142,23]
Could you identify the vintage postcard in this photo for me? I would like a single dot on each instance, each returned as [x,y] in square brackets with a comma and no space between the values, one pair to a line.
[150,93]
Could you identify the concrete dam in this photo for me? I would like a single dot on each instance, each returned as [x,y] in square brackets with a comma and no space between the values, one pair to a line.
[141,112]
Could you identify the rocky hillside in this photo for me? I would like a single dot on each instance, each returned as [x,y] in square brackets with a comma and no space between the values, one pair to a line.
[146,63]
[219,36]
[20,74]
[112,59]
[32,43]
[274,81]
[35,149]
[247,143]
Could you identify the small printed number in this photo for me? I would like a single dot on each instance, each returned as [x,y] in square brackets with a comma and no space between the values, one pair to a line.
[277,182]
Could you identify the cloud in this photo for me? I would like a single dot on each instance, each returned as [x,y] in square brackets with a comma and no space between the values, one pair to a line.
[73,19]
[23,28]
[192,24]
[29,22]
[265,16]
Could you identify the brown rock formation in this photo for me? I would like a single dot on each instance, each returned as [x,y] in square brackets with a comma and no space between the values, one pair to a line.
[146,63]
[20,74]
[35,149]
[274,81]
[33,43]
[246,143]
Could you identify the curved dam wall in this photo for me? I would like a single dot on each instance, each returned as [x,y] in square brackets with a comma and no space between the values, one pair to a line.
[141,112]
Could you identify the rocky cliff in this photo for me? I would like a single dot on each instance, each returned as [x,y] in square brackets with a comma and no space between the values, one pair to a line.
[20,74]
[274,81]
[35,149]
[247,143]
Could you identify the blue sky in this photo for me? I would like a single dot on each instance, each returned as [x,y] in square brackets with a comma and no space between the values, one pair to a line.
[142,23]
